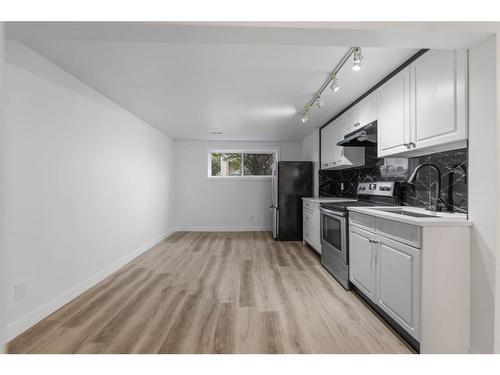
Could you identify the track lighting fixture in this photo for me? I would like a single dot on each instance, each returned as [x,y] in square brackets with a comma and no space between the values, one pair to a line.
[332,81]
[356,64]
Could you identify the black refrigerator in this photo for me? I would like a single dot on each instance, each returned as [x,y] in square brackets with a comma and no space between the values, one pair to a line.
[292,180]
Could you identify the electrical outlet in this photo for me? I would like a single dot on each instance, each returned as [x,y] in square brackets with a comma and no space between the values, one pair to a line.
[342,186]
[19,291]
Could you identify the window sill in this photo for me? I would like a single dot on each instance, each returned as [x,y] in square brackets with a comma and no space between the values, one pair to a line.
[239,178]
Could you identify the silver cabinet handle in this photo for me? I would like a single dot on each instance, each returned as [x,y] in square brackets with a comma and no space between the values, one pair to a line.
[412,144]
[373,241]
[356,124]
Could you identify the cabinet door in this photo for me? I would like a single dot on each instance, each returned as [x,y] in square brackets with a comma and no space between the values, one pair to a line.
[338,127]
[333,156]
[398,283]
[439,98]
[362,113]
[351,119]
[347,157]
[393,129]
[361,261]
[367,112]
[327,157]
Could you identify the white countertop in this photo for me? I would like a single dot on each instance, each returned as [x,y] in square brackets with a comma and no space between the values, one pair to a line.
[443,218]
[328,199]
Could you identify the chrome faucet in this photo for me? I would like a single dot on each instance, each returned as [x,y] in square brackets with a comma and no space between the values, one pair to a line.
[439,206]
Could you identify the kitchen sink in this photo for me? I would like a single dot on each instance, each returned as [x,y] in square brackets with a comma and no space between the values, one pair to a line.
[414,214]
[407,213]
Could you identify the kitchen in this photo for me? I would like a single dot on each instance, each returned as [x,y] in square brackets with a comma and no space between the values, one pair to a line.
[364,186]
[377,243]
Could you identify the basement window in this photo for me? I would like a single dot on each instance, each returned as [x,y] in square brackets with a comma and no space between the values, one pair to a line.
[232,164]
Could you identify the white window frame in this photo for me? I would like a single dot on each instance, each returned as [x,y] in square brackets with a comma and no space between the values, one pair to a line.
[208,162]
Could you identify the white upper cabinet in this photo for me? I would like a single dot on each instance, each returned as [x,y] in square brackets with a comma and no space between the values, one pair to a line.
[423,109]
[338,135]
[394,115]
[327,146]
[361,114]
[338,157]
[439,98]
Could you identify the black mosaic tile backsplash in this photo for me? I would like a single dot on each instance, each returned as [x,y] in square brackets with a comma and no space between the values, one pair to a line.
[453,166]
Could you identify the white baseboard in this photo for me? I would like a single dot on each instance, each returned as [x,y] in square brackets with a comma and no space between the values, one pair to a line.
[221,229]
[19,326]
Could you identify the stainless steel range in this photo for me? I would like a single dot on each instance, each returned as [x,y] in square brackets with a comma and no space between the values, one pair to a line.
[334,225]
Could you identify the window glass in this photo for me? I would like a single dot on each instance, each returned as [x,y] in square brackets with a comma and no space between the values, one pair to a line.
[226,164]
[257,164]
[240,164]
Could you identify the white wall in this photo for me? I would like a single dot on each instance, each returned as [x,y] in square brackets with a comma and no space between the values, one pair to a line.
[497,273]
[204,204]
[483,191]
[2,248]
[88,186]
[310,152]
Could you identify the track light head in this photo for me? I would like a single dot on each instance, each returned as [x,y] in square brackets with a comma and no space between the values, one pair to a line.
[319,102]
[334,86]
[304,118]
[356,65]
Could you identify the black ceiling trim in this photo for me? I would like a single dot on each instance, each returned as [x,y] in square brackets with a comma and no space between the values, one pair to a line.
[384,80]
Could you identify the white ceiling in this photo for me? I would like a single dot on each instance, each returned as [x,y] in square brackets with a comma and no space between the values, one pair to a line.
[188,80]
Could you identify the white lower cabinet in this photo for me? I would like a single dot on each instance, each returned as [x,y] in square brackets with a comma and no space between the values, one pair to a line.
[311,224]
[387,272]
[398,283]
[418,275]
[361,265]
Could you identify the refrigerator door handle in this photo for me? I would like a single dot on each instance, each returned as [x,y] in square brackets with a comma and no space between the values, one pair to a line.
[273,186]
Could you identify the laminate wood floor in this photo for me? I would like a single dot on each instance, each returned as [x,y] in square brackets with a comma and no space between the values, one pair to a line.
[215,292]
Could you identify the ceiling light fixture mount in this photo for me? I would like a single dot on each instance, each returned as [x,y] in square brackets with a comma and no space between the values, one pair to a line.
[332,81]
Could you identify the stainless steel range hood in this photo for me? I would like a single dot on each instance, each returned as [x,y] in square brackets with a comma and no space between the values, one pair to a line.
[362,137]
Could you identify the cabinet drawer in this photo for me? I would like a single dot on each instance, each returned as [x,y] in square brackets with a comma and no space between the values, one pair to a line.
[308,226]
[308,235]
[308,217]
[363,220]
[402,232]
[308,205]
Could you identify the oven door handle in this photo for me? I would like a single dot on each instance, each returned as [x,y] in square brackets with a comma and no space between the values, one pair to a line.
[324,210]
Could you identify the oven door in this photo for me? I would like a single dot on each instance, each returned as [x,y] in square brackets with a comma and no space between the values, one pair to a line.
[334,234]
